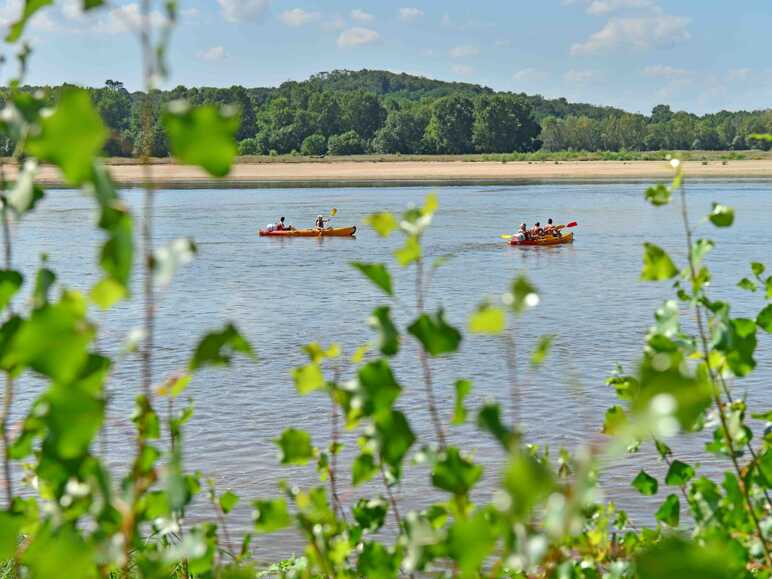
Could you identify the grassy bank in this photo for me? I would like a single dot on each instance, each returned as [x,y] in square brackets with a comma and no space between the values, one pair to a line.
[538,156]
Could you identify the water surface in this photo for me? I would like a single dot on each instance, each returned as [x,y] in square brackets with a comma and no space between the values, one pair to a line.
[283,293]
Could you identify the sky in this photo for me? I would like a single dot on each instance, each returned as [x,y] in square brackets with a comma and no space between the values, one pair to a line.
[696,55]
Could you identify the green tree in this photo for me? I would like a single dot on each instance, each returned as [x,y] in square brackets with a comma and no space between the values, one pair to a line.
[503,124]
[349,143]
[364,113]
[402,133]
[314,145]
[450,128]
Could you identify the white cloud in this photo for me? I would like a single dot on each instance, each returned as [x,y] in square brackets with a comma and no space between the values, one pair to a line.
[640,33]
[463,51]
[740,74]
[243,10]
[127,18]
[298,17]
[361,16]
[580,76]
[529,75]
[462,69]
[212,54]
[357,36]
[606,6]
[665,71]
[410,14]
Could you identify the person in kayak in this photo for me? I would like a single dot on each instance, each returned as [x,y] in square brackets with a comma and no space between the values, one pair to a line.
[320,222]
[536,231]
[522,233]
[281,226]
[550,229]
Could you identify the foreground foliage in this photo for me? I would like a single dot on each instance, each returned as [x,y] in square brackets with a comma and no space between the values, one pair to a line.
[76,519]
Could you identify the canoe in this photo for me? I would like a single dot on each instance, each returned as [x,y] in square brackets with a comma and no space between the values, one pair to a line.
[548,240]
[329,232]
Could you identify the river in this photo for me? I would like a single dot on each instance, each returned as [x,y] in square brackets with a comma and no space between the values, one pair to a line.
[285,293]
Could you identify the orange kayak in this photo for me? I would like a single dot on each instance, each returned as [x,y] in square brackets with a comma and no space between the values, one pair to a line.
[546,240]
[315,232]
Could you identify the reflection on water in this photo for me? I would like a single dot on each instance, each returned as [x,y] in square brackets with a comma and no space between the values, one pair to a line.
[285,292]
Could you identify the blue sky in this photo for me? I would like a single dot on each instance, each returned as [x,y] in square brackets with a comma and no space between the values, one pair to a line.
[697,55]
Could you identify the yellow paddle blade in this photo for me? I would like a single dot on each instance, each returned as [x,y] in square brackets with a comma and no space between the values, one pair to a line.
[506,236]
[333,211]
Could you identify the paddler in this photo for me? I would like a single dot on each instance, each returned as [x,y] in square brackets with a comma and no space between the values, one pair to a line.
[320,221]
[281,226]
[522,233]
[536,231]
[550,229]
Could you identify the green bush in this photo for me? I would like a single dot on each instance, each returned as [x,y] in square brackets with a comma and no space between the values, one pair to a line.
[346,144]
[314,145]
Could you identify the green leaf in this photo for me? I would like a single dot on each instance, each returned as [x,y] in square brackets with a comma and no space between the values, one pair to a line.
[10,527]
[721,216]
[389,335]
[106,293]
[175,385]
[542,350]
[677,558]
[203,135]
[764,319]
[60,553]
[271,516]
[645,484]
[431,204]
[747,285]
[25,194]
[768,285]
[378,389]
[470,542]
[614,421]
[529,481]
[463,388]
[54,340]
[662,449]
[30,8]
[658,195]
[758,268]
[657,265]
[679,473]
[524,295]
[308,378]
[218,348]
[454,473]
[295,445]
[410,252]
[71,137]
[363,468]
[383,223]
[370,515]
[228,500]
[737,340]
[44,281]
[394,438]
[700,249]
[436,336]
[376,273]
[669,511]
[10,282]
[377,562]
[487,320]
[489,420]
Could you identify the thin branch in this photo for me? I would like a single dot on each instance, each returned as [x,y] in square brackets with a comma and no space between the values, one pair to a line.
[716,395]
[426,366]
[332,468]
[5,414]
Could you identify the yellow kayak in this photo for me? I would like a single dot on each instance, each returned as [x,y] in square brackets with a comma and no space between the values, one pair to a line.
[546,240]
[315,232]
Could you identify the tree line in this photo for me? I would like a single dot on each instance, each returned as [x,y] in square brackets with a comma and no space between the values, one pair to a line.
[351,113]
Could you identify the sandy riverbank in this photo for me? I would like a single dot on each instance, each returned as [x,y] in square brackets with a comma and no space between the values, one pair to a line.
[363,172]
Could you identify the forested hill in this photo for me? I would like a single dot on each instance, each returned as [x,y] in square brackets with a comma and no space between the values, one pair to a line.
[372,111]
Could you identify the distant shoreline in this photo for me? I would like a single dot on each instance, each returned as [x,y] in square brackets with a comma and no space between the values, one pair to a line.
[332,172]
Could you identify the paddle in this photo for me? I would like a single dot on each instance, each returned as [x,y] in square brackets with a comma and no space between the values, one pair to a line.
[333,213]
[569,224]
